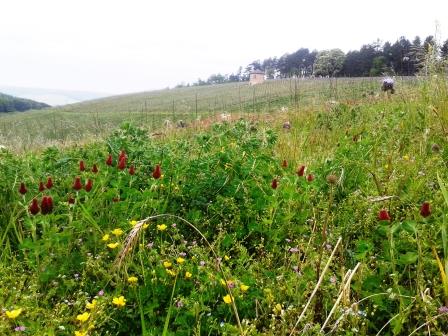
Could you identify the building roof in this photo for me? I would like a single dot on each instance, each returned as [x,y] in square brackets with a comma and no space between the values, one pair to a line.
[258,72]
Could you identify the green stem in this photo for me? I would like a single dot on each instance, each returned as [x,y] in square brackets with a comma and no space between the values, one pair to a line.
[167,320]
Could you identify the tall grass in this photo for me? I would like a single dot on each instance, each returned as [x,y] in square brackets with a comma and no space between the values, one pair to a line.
[84,122]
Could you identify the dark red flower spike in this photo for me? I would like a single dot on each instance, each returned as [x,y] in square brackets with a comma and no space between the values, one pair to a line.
[383,215]
[49,183]
[109,160]
[301,171]
[77,185]
[122,155]
[157,173]
[22,189]
[131,170]
[89,185]
[41,186]
[274,184]
[82,167]
[425,209]
[94,169]
[122,163]
[46,205]
[34,207]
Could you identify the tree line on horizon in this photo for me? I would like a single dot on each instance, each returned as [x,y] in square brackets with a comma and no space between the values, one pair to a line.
[15,104]
[402,58]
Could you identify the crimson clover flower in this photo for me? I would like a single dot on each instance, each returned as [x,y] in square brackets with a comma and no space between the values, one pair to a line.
[49,183]
[22,189]
[425,209]
[34,207]
[109,160]
[122,163]
[383,215]
[46,205]
[41,186]
[131,170]
[77,185]
[157,173]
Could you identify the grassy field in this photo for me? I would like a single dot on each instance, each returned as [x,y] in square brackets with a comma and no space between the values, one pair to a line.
[335,226]
[72,124]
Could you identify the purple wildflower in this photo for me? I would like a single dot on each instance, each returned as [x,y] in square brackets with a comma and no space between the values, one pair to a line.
[443,310]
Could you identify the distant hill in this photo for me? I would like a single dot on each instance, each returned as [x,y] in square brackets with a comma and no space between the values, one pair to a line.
[12,104]
[53,97]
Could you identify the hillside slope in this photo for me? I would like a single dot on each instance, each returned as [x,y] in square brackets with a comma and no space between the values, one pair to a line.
[12,104]
[193,105]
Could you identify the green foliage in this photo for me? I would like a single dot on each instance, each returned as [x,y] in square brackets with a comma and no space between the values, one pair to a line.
[329,62]
[266,246]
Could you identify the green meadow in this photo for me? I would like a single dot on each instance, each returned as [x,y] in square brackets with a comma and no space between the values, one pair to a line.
[317,207]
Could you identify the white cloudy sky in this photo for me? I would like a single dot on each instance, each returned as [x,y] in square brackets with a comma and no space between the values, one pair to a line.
[135,45]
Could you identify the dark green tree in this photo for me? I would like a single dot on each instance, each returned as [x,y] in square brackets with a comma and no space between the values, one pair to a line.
[444,49]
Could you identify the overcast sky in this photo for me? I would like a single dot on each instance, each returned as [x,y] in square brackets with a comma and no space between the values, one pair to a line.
[137,45]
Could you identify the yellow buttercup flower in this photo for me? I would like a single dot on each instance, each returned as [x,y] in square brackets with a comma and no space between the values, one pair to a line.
[119,301]
[80,333]
[105,238]
[226,258]
[406,157]
[83,317]
[167,264]
[13,314]
[171,272]
[180,260]
[244,287]
[161,227]
[227,299]
[91,305]
[132,280]
[133,222]
[117,232]
[145,226]
[188,275]
[113,245]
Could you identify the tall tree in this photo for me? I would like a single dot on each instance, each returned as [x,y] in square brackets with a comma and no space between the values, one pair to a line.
[352,64]
[329,62]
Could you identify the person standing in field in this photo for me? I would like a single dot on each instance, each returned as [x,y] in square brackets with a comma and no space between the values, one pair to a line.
[388,85]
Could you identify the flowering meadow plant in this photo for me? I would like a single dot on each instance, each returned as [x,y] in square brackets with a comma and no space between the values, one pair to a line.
[230,230]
